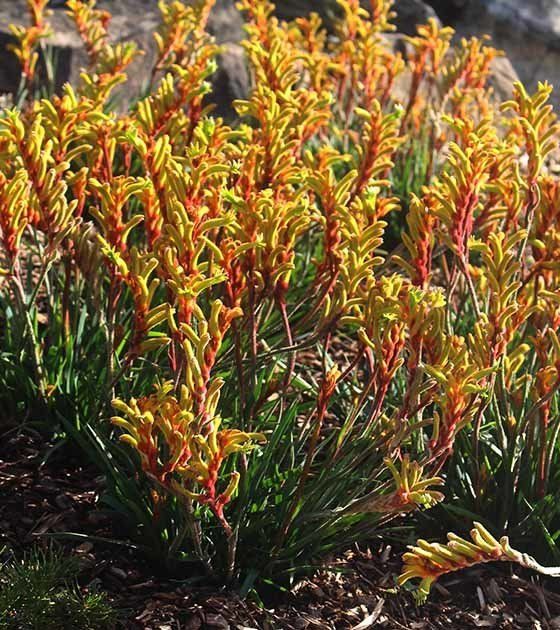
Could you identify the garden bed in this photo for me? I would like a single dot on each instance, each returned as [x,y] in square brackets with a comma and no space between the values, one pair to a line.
[42,500]
[246,364]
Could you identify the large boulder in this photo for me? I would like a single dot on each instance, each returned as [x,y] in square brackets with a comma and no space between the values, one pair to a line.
[527,30]
[516,25]
[538,18]
[410,13]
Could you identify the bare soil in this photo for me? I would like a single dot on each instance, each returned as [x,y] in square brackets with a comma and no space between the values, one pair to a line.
[39,498]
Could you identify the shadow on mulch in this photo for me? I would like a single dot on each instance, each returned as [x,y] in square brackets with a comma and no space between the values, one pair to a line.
[357,593]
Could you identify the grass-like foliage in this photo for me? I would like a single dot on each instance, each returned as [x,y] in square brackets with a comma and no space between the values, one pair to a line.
[39,591]
[285,374]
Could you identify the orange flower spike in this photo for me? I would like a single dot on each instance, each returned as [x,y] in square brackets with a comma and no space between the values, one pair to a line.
[201,347]
[69,122]
[332,196]
[310,36]
[92,26]
[424,312]
[203,468]
[135,270]
[506,313]
[545,235]
[29,38]
[187,54]
[376,311]
[114,198]
[411,491]
[179,23]
[458,194]
[107,61]
[465,77]
[430,47]
[176,24]
[379,142]
[326,392]
[151,421]
[382,14]
[419,241]
[429,561]
[162,429]
[236,279]
[461,380]
[49,209]
[539,126]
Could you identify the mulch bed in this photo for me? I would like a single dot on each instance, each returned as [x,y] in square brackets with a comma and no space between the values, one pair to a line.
[358,591]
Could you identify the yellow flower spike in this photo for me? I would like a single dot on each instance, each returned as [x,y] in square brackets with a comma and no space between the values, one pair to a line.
[48,209]
[394,471]
[194,374]
[111,211]
[107,61]
[125,424]
[539,124]
[190,334]
[204,342]
[14,196]
[207,449]
[428,561]
[28,39]
[186,55]
[121,406]
[410,491]
[180,489]
[153,344]
[113,256]
[506,313]
[462,546]
[419,241]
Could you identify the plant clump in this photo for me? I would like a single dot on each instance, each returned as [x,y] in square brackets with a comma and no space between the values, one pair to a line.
[338,309]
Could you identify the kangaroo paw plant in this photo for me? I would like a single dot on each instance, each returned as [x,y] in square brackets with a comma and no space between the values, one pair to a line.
[336,308]
[429,561]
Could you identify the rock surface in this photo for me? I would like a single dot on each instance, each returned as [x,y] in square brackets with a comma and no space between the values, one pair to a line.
[409,12]
[539,18]
[527,30]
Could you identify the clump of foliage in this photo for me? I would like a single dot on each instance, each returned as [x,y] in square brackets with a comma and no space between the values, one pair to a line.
[281,384]
[39,591]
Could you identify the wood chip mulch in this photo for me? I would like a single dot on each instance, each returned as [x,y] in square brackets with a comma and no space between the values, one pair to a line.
[357,591]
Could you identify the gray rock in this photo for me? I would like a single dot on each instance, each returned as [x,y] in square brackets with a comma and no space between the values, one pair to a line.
[226,23]
[449,11]
[231,81]
[409,12]
[528,31]
[539,18]
[502,77]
